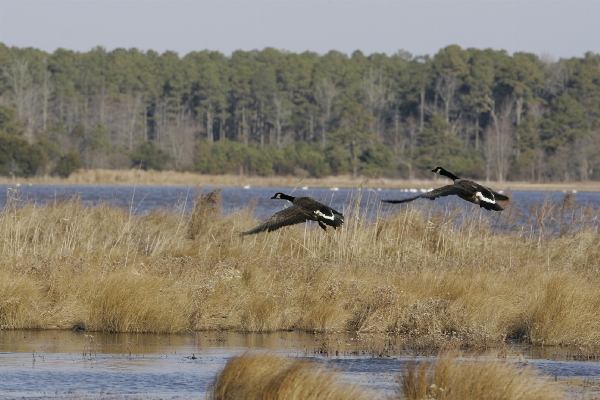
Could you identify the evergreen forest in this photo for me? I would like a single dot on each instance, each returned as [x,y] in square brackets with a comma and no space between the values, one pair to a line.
[481,113]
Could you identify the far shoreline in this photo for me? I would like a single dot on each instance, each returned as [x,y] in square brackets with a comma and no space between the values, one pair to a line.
[136,177]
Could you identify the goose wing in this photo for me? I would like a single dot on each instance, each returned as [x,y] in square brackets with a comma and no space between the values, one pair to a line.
[434,194]
[484,193]
[289,216]
[321,211]
[500,196]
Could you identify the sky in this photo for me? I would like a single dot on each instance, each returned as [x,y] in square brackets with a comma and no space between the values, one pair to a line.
[553,29]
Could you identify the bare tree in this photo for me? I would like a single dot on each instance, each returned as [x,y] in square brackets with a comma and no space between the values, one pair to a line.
[180,136]
[132,109]
[19,80]
[498,141]
[281,115]
[445,87]
[325,92]
[46,91]
[375,98]
[209,123]
[25,96]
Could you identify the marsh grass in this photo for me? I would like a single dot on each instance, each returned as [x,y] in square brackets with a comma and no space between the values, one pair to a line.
[433,279]
[267,377]
[450,378]
[136,176]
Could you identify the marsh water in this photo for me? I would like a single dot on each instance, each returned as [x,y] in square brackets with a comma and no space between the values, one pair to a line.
[142,199]
[66,364]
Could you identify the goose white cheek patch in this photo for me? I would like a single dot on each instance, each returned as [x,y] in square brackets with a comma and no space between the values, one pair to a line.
[319,213]
[483,198]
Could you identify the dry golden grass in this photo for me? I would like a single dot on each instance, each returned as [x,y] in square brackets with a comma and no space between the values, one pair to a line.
[451,378]
[416,274]
[174,178]
[266,377]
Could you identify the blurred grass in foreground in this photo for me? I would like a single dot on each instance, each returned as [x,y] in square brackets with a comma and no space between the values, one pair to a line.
[263,376]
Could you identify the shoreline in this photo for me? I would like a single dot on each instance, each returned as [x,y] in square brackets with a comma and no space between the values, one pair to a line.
[173,178]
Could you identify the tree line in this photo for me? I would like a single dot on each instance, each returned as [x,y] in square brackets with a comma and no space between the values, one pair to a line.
[479,113]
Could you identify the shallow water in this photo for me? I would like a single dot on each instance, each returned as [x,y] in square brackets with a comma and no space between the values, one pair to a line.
[142,199]
[47,364]
[519,215]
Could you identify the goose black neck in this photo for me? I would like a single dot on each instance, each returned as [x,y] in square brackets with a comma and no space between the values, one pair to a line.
[448,174]
[285,197]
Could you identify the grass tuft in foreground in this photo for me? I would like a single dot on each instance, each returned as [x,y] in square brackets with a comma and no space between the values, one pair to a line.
[451,378]
[267,377]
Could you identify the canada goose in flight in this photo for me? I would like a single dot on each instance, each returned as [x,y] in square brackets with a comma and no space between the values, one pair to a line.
[303,209]
[465,189]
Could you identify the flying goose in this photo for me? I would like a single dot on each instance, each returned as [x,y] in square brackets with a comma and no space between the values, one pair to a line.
[303,209]
[465,189]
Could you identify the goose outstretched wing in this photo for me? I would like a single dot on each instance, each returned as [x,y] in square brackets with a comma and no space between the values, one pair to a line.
[500,196]
[434,194]
[289,216]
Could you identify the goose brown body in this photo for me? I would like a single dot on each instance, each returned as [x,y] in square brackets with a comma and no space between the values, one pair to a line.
[467,190]
[303,209]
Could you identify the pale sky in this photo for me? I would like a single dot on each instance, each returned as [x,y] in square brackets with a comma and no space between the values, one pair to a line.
[555,28]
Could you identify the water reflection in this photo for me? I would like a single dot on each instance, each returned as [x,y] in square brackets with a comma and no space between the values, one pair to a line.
[299,343]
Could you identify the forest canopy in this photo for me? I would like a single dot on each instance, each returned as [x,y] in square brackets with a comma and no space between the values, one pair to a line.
[480,113]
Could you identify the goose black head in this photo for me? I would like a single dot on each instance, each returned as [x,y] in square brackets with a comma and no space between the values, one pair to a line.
[283,196]
[443,172]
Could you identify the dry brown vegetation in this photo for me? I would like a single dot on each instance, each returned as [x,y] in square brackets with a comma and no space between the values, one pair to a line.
[417,275]
[175,178]
[267,377]
[451,378]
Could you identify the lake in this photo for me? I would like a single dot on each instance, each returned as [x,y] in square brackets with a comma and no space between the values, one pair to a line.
[142,199]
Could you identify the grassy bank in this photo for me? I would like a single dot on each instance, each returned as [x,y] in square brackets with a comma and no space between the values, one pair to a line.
[173,178]
[416,274]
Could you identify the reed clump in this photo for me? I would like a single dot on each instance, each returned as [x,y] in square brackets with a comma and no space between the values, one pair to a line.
[266,377]
[459,279]
[449,378]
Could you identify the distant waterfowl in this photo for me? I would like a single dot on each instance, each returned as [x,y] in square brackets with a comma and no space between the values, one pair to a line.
[465,189]
[303,209]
